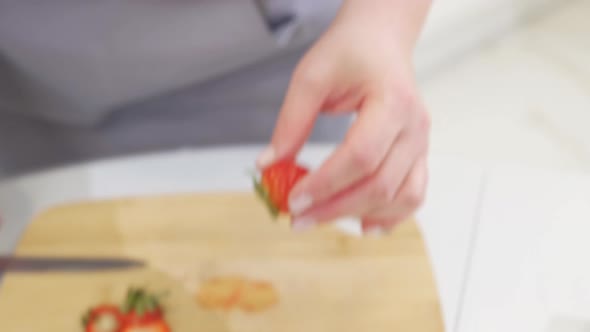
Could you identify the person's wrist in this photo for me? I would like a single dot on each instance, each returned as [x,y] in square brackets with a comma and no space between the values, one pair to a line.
[401,18]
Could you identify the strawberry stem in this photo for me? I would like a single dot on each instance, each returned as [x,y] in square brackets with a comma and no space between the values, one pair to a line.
[140,301]
[86,318]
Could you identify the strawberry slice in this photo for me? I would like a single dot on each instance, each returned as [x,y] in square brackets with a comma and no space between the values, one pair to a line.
[103,318]
[276,183]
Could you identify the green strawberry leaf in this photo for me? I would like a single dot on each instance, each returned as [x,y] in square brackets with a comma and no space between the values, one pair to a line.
[263,195]
[86,318]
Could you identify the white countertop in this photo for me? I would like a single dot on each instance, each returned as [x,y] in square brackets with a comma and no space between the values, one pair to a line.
[480,225]
[529,266]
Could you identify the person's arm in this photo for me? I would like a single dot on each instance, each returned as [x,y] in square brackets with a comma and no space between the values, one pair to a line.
[363,63]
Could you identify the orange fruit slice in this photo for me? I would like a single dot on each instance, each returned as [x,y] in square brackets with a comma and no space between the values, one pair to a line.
[220,293]
[257,296]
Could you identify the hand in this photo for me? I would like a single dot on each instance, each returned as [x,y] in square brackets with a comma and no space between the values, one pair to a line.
[362,63]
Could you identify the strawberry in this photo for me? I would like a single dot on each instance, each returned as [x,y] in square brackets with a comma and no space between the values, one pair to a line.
[153,326]
[276,183]
[143,312]
[103,318]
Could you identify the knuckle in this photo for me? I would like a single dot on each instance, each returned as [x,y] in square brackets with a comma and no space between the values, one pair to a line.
[424,120]
[364,158]
[403,102]
[382,190]
[407,100]
[408,103]
[412,197]
[305,76]
[422,131]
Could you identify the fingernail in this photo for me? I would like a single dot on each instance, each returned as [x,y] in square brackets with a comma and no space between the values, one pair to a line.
[374,232]
[300,203]
[266,157]
[302,224]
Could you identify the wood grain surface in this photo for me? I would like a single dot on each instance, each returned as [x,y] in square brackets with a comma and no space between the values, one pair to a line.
[321,280]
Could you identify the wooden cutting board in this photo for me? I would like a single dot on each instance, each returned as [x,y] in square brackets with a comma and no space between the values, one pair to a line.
[320,280]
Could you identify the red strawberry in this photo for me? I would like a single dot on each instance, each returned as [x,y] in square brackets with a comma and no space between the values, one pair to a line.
[143,313]
[153,326]
[104,318]
[277,182]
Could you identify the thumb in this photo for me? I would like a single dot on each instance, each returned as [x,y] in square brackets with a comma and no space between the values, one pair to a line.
[296,119]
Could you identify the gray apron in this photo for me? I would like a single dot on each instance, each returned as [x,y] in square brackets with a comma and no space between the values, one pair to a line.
[132,76]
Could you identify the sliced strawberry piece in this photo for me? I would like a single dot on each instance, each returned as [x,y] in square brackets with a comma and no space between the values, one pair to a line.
[276,184]
[104,318]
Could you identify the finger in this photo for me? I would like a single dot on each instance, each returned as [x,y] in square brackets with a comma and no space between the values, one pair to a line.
[374,191]
[361,154]
[296,119]
[378,226]
[407,201]
[348,101]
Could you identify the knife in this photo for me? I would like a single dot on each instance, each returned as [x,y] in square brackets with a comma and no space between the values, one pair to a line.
[71,264]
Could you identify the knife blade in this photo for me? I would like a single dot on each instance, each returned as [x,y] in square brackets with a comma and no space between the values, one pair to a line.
[49,264]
